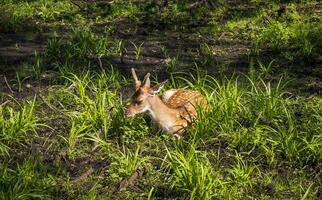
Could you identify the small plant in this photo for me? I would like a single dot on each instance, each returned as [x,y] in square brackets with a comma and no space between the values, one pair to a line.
[267,100]
[118,48]
[95,98]
[82,44]
[137,51]
[37,67]
[206,50]
[46,13]
[15,125]
[265,70]
[125,162]
[165,52]
[293,41]
[241,173]
[171,64]
[20,81]
[76,132]
[23,181]
[14,15]
[191,171]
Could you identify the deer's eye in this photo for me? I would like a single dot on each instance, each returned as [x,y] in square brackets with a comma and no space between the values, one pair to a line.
[137,101]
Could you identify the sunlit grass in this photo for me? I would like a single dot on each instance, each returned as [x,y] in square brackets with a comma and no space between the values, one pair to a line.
[16,123]
[253,120]
[22,182]
[191,172]
[70,137]
[16,13]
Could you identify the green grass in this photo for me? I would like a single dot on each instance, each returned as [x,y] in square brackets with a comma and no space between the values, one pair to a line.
[16,124]
[25,181]
[17,13]
[253,125]
[81,45]
[63,130]
[191,172]
[299,40]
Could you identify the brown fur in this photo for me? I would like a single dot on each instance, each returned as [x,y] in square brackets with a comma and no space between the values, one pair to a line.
[174,112]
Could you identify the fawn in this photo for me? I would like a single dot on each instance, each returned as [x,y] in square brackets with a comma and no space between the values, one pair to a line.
[173,112]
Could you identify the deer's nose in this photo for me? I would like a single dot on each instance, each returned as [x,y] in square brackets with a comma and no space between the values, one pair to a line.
[128,113]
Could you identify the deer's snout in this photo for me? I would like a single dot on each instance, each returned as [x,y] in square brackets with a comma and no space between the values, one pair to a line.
[129,112]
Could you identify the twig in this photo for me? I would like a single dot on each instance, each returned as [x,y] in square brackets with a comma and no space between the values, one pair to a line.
[50,106]
[6,81]
[83,176]
[130,181]
[76,4]
[4,103]
[101,64]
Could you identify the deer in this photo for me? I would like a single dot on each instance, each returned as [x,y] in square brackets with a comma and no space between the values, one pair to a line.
[174,111]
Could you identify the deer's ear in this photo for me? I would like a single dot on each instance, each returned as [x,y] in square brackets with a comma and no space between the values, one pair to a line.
[137,81]
[157,88]
[146,80]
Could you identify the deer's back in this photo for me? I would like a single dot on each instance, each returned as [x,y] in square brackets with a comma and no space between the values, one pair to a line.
[185,100]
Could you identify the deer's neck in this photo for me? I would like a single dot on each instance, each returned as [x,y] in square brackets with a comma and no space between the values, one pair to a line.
[161,113]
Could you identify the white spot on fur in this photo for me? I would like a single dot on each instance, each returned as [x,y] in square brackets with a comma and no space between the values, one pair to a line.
[167,94]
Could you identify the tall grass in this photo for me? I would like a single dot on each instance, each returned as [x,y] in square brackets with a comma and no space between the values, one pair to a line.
[252,115]
[16,13]
[251,128]
[22,182]
[191,172]
[82,44]
[16,123]
[293,40]
[125,162]
[255,141]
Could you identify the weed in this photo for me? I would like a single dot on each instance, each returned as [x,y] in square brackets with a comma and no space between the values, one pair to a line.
[172,63]
[191,172]
[125,162]
[138,50]
[256,141]
[20,81]
[267,101]
[299,38]
[37,67]
[18,12]
[15,125]
[118,48]
[77,131]
[82,44]
[241,173]
[23,182]
[265,70]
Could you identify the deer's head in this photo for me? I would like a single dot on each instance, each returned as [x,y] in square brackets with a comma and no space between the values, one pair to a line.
[140,101]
